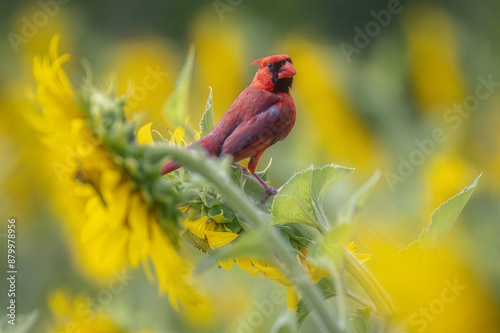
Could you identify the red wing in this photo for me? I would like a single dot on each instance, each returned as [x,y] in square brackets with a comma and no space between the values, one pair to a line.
[255,135]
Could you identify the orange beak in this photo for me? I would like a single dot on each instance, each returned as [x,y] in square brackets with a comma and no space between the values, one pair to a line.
[286,70]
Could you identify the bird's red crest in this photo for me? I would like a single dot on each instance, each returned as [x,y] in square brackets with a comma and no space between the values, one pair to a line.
[273,58]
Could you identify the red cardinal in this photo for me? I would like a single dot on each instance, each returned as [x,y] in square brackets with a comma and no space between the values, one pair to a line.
[263,114]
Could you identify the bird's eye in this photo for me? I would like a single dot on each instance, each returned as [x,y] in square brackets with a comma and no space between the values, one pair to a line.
[270,65]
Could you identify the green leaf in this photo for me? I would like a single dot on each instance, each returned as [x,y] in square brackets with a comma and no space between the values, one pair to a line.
[217,218]
[300,199]
[327,287]
[175,108]
[207,120]
[442,221]
[23,323]
[250,185]
[309,232]
[263,174]
[221,213]
[285,323]
[208,199]
[236,175]
[294,233]
[349,211]
[302,312]
[361,320]
[234,226]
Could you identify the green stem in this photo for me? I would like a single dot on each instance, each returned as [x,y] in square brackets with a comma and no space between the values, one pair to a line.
[338,281]
[369,283]
[240,203]
[340,292]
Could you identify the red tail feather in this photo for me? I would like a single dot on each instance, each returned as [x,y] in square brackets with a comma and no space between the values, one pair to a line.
[169,167]
[207,143]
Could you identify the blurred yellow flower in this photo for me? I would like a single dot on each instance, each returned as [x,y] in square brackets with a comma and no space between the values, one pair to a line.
[73,150]
[437,80]
[24,162]
[147,69]
[318,93]
[222,61]
[34,25]
[77,315]
[430,297]
[446,175]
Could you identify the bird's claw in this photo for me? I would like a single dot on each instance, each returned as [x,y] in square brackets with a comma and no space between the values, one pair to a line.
[243,168]
[269,190]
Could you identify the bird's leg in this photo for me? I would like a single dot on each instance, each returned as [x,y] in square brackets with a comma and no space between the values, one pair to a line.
[252,164]
[269,189]
[243,168]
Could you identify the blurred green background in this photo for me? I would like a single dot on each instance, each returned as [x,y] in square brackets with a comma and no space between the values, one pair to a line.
[375,80]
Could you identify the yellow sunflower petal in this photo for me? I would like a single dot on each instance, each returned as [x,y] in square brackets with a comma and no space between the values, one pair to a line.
[83,190]
[227,264]
[217,239]
[173,271]
[147,269]
[96,221]
[114,244]
[178,136]
[139,237]
[117,204]
[291,299]
[247,265]
[144,136]
[270,272]
[316,272]
[197,227]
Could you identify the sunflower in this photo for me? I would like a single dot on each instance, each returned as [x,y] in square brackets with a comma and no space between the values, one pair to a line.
[118,206]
